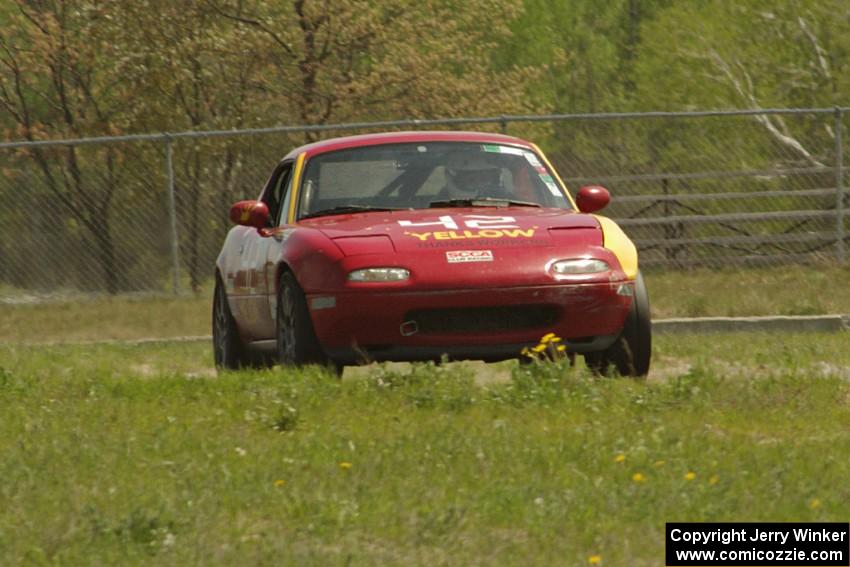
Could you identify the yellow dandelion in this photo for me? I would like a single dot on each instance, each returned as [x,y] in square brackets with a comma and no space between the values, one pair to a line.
[690,475]
[619,458]
[638,477]
[713,480]
[548,337]
[814,504]
[539,348]
[345,465]
[562,348]
[279,482]
[594,559]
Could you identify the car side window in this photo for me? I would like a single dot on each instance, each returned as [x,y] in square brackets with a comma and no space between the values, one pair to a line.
[275,194]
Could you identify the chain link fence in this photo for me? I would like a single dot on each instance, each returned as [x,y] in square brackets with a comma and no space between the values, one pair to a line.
[149,213]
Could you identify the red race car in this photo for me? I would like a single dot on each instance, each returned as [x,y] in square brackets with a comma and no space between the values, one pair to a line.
[424,245]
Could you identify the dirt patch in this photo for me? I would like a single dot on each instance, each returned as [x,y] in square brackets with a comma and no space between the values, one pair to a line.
[146,370]
[484,373]
[667,367]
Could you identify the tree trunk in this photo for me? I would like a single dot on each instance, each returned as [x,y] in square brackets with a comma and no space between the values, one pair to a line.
[105,254]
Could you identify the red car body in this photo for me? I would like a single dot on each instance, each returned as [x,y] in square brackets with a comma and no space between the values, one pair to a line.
[480,282]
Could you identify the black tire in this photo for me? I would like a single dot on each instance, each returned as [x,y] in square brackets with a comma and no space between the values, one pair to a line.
[228,351]
[631,353]
[297,344]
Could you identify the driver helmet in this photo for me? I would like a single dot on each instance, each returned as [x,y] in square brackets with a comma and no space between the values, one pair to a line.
[470,175]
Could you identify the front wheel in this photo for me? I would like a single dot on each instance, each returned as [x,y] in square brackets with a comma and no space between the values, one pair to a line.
[631,352]
[297,344]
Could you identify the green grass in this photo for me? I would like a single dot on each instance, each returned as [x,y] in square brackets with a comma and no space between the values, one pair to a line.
[116,318]
[787,290]
[794,290]
[141,455]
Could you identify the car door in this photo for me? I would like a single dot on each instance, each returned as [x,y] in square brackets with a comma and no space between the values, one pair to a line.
[255,251]
[274,243]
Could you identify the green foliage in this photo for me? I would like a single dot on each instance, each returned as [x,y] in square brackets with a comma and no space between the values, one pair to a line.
[196,64]
[589,50]
[764,53]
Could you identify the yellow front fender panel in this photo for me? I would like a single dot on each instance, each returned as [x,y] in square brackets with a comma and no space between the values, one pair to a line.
[615,240]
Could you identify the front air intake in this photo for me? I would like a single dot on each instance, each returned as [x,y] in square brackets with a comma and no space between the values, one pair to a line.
[483,319]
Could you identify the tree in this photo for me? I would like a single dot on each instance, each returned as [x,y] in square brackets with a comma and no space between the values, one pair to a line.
[64,76]
[588,50]
[353,60]
[198,75]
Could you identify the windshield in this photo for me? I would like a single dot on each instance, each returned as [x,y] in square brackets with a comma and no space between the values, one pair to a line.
[426,174]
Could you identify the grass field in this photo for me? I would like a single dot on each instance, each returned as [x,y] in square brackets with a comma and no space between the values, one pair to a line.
[141,455]
[792,290]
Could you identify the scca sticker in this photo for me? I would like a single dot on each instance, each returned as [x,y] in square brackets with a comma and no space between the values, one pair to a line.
[475,226]
[463,256]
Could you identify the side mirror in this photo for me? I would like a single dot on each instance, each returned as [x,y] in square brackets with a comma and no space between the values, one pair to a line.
[591,198]
[250,213]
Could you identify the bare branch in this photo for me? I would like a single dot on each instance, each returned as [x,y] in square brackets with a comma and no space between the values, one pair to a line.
[24,112]
[32,19]
[748,93]
[823,61]
[255,23]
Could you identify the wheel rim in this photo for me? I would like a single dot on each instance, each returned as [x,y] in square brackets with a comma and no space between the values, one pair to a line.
[286,325]
[220,327]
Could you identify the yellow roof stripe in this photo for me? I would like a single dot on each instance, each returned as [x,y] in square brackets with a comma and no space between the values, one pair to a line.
[296,186]
[555,174]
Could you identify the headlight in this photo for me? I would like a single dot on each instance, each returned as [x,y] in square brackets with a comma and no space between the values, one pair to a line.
[379,275]
[580,266]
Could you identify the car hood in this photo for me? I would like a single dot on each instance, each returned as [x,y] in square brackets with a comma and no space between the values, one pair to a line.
[466,228]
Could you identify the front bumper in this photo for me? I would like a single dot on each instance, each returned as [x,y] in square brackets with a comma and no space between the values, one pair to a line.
[488,324]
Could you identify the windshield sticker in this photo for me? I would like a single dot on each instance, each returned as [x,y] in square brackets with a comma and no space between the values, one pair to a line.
[550,183]
[492,148]
[554,189]
[532,159]
[464,256]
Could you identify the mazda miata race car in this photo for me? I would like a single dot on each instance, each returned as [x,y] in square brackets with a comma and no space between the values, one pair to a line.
[425,246]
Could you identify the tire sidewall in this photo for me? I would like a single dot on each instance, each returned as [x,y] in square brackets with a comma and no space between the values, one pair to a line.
[637,334]
[305,348]
[227,347]
[631,352]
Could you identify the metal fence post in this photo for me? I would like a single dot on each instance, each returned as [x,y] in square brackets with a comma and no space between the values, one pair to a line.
[839,189]
[172,214]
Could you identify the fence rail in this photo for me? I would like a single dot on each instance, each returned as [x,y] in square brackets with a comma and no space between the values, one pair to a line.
[147,212]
